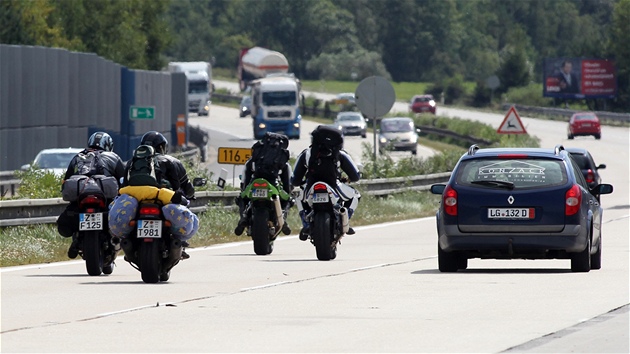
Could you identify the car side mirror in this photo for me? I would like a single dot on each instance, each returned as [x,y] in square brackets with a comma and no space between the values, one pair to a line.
[603,188]
[438,188]
[198,182]
[601,166]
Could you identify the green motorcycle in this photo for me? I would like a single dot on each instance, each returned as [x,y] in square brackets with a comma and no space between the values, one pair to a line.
[267,214]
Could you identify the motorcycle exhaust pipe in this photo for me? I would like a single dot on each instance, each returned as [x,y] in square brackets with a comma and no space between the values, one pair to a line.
[127,247]
[345,222]
[176,252]
[279,216]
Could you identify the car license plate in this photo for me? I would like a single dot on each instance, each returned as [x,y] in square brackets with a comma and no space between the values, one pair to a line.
[511,213]
[91,221]
[587,125]
[149,228]
[259,193]
[320,198]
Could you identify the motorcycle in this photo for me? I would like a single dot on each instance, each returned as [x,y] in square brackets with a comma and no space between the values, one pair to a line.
[267,215]
[151,248]
[328,219]
[95,246]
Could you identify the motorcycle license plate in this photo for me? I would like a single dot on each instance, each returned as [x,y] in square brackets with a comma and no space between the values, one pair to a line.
[259,193]
[90,221]
[149,228]
[320,198]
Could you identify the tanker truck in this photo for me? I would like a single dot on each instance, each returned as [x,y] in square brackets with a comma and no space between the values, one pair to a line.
[257,62]
[199,76]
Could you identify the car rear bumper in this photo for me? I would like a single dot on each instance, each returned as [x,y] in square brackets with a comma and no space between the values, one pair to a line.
[573,238]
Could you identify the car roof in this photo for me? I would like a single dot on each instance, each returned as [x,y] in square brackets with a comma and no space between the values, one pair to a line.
[534,152]
[349,113]
[577,150]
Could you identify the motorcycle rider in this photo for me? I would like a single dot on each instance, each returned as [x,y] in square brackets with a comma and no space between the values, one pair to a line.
[249,173]
[171,172]
[304,179]
[112,166]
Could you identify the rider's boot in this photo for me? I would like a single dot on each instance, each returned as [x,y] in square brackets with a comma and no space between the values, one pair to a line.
[73,250]
[306,228]
[350,229]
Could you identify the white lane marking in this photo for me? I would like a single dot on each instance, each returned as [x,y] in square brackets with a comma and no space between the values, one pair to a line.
[265,286]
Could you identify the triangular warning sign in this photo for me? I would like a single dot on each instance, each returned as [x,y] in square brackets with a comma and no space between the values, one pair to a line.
[511,123]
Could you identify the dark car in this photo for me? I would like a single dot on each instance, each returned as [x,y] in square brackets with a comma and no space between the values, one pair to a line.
[422,104]
[519,203]
[584,123]
[584,159]
[351,123]
[245,108]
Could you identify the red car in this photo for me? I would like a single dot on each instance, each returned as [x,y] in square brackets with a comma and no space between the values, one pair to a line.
[422,104]
[584,123]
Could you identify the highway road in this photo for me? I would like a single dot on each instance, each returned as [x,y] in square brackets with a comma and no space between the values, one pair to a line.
[383,293]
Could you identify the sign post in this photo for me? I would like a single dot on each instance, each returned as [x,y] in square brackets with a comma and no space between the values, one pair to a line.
[233,156]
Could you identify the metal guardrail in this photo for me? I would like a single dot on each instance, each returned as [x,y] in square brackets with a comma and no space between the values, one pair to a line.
[45,211]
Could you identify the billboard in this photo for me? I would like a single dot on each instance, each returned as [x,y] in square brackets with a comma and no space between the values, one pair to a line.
[579,78]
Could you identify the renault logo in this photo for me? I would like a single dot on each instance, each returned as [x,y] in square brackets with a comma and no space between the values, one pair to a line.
[510,200]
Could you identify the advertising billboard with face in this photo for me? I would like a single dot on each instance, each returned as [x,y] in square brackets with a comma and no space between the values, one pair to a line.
[579,78]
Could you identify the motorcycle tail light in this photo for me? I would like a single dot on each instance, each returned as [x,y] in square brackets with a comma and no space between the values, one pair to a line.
[590,176]
[149,210]
[92,200]
[259,185]
[320,187]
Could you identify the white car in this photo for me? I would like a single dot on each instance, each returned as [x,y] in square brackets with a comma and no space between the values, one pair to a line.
[351,123]
[54,160]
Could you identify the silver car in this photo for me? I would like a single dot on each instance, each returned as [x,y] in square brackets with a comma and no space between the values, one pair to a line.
[398,134]
[54,160]
[351,123]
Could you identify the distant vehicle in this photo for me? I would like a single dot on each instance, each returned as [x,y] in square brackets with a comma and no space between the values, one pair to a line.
[245,108]
[275,106]
[54,160]
[585,161]
[351,123]
[422,104]
[398,134]
[519,203]
[257,62]
[346,98]
[199,75]
[584,123]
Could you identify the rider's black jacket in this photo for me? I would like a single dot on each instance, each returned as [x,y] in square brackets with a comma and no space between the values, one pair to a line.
[345,164]
[112,164]
[170,170]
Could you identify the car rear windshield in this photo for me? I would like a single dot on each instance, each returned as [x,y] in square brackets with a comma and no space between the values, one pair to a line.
[398,125]
[521,172]
[423,99]
[585,117]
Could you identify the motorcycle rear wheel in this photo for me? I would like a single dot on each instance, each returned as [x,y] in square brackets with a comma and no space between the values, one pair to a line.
[260,231]
[321,233]
[92,252]
[150,262]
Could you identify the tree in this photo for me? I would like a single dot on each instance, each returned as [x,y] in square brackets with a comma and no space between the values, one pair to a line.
[620,49]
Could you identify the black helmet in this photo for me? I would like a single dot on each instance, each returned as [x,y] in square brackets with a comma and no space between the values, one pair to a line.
[101,141]
[157,140]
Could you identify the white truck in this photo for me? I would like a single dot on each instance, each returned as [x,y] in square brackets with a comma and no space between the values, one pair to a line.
[257,62]
[199,75]
[275,105]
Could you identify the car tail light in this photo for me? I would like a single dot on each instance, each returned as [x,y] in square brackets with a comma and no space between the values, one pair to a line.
[259,185]
[573,199]
[92,200]
[149,210]
[449,198]
[320,187]
[590,176]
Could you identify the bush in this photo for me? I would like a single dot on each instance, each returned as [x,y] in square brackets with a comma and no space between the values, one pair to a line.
[481,96]
[530,95]
[38,184]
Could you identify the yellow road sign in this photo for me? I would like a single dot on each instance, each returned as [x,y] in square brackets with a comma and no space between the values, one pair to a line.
[234,156]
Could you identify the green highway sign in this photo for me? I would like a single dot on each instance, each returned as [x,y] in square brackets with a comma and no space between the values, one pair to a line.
[139,112]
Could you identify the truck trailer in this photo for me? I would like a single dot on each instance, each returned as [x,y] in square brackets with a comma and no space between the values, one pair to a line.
[257,62]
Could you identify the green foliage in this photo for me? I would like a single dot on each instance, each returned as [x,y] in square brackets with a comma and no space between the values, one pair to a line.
[530,95]
[384,166]
[482,95]
[620,50]
[453,89]
[38,184]
[342,66]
